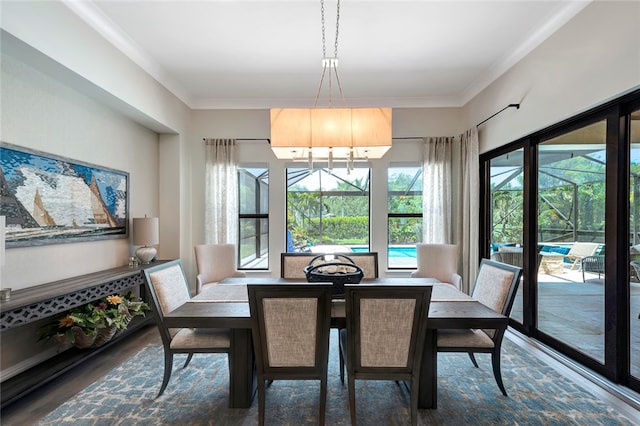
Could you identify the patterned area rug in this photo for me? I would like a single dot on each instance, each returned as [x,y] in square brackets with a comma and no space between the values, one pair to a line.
[197,395]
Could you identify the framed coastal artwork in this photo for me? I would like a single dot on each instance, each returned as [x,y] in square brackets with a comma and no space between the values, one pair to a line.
[48,199]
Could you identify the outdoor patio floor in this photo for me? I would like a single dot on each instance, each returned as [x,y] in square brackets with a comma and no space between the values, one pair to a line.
[573,312]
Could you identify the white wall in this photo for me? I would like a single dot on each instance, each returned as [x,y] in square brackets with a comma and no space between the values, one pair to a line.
[593,58]
[40,113]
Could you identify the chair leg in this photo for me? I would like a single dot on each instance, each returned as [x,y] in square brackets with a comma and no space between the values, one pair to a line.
[343,356]
[473,359]
[414,400]
[261,401]
[323,399]
[352,398]
[188,360]
[495,361]
[341,365]
[168,366]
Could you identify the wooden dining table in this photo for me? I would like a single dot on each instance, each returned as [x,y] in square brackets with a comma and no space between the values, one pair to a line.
[226,306]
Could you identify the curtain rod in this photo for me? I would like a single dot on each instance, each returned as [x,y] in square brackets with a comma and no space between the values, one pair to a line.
[516,106]
[412,138]
[246,139]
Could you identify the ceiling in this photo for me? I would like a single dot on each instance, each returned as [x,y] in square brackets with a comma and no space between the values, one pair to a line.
[265,53]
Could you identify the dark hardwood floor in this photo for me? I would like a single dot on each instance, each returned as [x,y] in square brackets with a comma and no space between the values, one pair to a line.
[41,402]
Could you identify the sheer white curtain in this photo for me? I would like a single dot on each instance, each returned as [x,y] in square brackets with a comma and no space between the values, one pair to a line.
[436,190]
[221,192]
[469,203]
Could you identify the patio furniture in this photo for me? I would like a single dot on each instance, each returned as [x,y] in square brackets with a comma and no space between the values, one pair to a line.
[593,264]
[509,255]
[578,252]
[551,264]
[635,271]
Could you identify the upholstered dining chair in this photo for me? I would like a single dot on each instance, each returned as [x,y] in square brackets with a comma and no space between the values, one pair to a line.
[215,262]
[290,330]
[169,289]
[495,287]
[385,334]
[439,261]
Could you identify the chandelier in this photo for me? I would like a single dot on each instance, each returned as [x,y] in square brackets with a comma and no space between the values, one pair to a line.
[313,134]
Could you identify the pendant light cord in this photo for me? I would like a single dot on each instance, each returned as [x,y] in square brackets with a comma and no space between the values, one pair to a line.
[329,62]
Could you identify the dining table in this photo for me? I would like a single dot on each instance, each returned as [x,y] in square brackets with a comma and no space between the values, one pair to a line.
[226,305]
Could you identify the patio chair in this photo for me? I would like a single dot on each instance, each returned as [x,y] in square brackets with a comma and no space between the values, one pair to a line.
[290,328]
[578,252]
[635,271]
[439,261]
[593,264]
[495,287]
[384,338]
[215,262]
[169,289]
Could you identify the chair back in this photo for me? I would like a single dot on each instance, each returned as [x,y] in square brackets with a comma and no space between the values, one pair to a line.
[168,289]
[215,262]
[496,286]
[292,264]
[581,249]
[438,261]
[386,328]
[290,329]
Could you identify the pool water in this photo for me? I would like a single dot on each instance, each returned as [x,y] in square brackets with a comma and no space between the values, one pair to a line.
[398,256]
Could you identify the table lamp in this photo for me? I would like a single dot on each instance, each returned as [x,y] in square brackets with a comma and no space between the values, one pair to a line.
[145,234]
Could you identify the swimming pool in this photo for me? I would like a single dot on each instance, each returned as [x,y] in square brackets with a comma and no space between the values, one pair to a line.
[398,256]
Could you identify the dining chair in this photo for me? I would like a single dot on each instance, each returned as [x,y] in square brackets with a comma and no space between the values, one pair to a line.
[439,261]
[215,262]
[290,330]
[169,289]
[495,287]
[385,334]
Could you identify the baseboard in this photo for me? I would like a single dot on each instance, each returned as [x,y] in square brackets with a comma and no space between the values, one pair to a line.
[28,363]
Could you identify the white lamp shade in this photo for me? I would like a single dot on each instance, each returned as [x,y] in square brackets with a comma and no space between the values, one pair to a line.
[295,131]
[145,231]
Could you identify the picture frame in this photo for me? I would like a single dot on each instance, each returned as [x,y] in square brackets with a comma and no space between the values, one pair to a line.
[50,199]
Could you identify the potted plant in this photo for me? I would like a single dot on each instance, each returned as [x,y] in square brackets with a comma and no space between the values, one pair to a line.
[94,324]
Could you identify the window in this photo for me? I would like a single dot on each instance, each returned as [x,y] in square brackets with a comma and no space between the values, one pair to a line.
[253,197]
[404,215]
[328,208]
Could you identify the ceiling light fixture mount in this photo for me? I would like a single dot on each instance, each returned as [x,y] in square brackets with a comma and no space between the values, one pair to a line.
[326,134]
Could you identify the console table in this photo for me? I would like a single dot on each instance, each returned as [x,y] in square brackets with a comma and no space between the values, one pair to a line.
[46,300]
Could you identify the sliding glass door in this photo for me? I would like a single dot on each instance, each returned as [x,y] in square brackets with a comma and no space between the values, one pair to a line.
[505,202]
[634,243]
[571,225]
